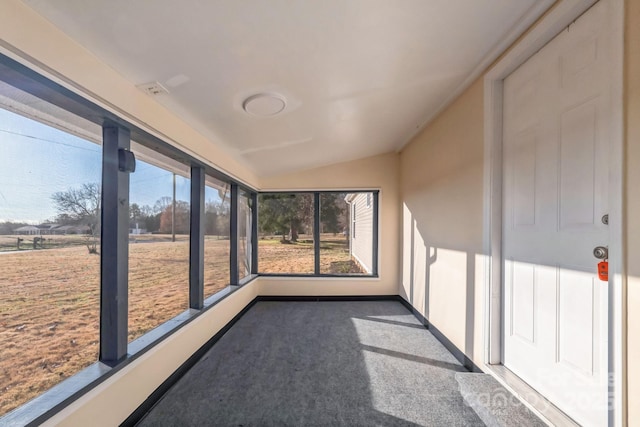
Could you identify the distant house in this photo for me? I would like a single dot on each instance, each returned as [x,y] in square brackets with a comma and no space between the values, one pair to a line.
[138,231]
[82,229]
[47,228]
[65,229]
[28,230]
[361,229]
[71,229]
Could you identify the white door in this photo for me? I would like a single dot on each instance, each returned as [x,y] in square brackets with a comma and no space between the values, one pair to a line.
[556,133]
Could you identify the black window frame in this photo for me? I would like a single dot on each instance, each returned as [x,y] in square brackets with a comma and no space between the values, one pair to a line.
[115,353]
[120,131]
[316,233]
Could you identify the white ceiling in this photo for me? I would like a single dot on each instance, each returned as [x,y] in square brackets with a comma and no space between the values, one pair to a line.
[360,77]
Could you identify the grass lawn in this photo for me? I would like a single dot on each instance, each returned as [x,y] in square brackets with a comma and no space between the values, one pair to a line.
[298,258]
[49,300]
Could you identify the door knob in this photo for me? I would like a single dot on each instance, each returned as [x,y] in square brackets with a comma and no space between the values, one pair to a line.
[601,252]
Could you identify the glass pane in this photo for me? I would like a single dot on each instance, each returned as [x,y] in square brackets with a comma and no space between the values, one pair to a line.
[244,235]
[159,212]
[217,245]
[50,184]
[285,227]
[346,234]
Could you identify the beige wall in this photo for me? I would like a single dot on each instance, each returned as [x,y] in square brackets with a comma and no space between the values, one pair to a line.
[441,190]
[26,34]
[379,172]
[632,125]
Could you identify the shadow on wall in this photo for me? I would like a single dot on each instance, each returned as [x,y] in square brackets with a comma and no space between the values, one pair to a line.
[443,261]
[437,276]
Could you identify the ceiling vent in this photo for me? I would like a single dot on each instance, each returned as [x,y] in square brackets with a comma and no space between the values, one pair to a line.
[152,88]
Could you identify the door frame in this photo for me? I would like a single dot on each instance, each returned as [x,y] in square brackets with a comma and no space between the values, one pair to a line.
[554,22]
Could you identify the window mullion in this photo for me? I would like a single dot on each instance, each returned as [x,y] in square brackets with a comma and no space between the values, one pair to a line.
[254,233]
[234,279]
[375,237]
[196,239]
[114,250]
[316,232]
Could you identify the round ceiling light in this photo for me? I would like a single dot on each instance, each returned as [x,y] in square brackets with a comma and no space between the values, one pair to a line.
[264,104]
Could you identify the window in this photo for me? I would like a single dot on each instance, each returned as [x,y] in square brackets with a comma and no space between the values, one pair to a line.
[245,218]
[53,257]
[334,235]
[159,210]
[340,252]
[287,236]
[49,247]
[217,243]
[285,227]
[363,232]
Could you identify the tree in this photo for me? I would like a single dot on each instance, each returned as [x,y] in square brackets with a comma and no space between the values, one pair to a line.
[135,213]
[150,218]
[332,212]
[162,204]
[210,220]
[217,218]
[289,214]
[285,213]
[8,227]
[81,207]
[181,218]
[223,224]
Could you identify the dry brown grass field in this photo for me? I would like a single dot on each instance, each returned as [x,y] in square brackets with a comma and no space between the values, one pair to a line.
[275,257]
[49,298]
[10,244]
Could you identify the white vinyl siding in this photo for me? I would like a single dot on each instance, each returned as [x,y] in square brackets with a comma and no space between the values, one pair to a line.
[362,231]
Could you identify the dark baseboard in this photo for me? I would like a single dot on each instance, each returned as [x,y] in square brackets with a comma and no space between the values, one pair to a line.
[453,349]
[457,353]
[415,312]
[155,397]
[329,298]
[158,393]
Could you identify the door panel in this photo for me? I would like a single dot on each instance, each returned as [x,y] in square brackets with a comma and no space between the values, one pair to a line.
[523,302]
[524,180]
[555,176]
[577,165]
[576,315]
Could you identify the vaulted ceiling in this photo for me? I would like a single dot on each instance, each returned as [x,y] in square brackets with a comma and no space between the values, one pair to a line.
[352,78]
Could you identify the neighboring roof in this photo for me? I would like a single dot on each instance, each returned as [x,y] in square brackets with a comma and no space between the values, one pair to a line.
[27,228]
[47,226]
[66,227]
[72,228]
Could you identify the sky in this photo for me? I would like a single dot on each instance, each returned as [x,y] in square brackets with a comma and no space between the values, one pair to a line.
[37,161]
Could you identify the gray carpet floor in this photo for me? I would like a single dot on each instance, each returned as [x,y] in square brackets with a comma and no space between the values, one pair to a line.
[320,364]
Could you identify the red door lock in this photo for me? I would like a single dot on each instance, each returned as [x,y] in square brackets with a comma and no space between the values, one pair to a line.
[603,271]
[602,252]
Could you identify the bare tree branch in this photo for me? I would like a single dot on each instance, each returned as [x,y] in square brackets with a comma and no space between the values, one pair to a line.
[82,207]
